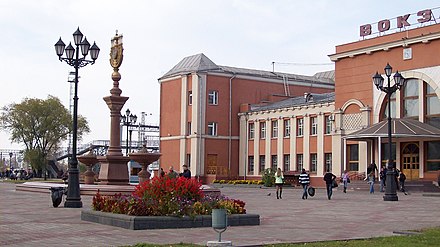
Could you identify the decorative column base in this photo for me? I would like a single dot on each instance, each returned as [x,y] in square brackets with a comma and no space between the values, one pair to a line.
[114,170]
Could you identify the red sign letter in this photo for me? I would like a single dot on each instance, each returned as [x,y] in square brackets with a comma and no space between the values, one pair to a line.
[383,25]
[402,21]
[365,30]
[425,14]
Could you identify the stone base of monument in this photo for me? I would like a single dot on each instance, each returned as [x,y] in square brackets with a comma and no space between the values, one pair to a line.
[218,244]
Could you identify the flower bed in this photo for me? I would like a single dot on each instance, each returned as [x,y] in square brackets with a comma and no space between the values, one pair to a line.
[176,200]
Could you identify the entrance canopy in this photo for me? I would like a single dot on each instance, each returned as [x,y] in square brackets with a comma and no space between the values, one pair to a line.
[400,128]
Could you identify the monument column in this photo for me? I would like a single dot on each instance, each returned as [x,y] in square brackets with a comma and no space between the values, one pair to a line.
[114,169]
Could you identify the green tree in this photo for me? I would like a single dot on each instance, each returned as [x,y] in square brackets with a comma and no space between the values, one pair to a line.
[41,125]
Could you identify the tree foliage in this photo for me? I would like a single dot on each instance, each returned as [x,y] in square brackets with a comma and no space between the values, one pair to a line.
[41,125]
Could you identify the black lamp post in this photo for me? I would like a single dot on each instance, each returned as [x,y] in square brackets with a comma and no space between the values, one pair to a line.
[127,120]
[10,161]
[73,199]
[390,191]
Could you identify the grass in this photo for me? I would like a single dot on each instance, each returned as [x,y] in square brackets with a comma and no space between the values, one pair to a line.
[427,237]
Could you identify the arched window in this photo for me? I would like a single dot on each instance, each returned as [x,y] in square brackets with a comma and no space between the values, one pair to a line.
[432,106]
[393,107]
[411,99]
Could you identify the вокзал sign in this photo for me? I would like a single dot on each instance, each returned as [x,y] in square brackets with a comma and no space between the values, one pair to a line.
[400,22]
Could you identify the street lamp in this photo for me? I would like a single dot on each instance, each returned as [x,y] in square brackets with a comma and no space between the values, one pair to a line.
[10,161]
[127,120]
[390,191]
[73,199]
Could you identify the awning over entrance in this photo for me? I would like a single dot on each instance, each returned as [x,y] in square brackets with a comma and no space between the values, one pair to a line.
[400,128]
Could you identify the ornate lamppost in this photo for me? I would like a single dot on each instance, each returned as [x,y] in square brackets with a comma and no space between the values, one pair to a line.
[73,199]
[390,191]
[128,120]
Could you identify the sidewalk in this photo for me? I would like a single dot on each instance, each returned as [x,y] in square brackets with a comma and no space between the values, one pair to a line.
[28,219]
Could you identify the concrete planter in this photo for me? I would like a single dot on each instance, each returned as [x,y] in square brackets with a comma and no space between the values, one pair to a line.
[164,222]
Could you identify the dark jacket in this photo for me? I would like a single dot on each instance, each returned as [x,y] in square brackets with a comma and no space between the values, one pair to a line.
[186,173]
[329,177]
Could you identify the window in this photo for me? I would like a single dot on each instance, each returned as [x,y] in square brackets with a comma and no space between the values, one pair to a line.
[433,159]
[300,126]
[251,131]
[432,107]
[188,160]
[299,162]
[190,97]
[273,163]
[286,127]
[274,129]
[188,130]
[213,97]
[212,128]
[353,157]
[262,130]
[251,165]
[393,107]
[313,162]
[286,162]
[262,163]
[328,161]
[411,98]
[313,126]
[328,124]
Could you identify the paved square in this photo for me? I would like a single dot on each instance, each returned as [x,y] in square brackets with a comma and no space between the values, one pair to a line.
[28,219]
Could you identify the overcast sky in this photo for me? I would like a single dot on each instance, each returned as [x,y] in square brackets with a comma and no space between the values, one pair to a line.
[158,34]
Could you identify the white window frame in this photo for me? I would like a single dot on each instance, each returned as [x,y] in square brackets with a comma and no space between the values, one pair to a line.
[213,97]
[274,128]
[251,131]
[286,127]
[313,163]
[212,128]
[262,130]
[313,126]
[190,97]
[300,127]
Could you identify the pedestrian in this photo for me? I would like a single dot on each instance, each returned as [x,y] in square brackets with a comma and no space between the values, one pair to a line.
[383,177]
[371,179]
[396,178]
[402,179]
[172,173]
[279,180]
[186,172]
[371,168]
[345,180]
[161,172]
[304,180]
[329,179]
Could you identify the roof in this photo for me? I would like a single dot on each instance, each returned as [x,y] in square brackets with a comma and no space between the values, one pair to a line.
[296,101]
[201,63]
[400,128]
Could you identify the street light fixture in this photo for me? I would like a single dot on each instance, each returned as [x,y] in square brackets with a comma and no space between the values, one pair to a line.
[73,199]
[127,120]
[390,191]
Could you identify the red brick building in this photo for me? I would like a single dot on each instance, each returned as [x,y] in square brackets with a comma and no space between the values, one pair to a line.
[199,107]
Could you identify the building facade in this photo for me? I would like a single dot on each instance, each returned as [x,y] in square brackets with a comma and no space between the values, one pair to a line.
[199,107]
[227,122]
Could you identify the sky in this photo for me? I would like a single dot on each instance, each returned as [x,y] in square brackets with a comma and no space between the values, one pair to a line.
[297,35]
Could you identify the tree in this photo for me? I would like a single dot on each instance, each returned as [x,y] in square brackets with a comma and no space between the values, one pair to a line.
[41,125]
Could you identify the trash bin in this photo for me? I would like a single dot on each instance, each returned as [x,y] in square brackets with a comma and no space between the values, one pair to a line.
[57,195]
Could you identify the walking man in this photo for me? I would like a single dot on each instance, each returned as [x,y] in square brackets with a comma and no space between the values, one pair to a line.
[328,178]
[304,180]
